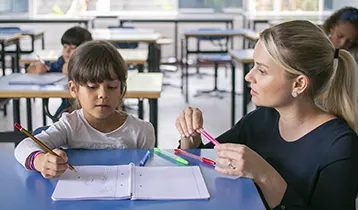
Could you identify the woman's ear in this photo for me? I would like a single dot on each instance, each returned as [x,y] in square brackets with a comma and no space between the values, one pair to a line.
[300,84]
[73,88]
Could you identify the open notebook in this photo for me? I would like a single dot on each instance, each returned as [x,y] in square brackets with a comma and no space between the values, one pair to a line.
[37,79]
[131,182]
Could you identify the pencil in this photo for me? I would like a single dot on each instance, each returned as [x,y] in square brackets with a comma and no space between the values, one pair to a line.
[42,145]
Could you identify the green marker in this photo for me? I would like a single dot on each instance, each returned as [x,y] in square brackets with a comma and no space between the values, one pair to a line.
[179,159]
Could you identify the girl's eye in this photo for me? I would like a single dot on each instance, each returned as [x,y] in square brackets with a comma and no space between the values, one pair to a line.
[112,87]
[91,86]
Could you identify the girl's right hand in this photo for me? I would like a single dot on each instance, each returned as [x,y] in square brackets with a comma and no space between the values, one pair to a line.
[51,166]
[189,123]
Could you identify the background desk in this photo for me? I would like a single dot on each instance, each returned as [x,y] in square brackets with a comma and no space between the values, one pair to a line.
[139,85]
[23,189]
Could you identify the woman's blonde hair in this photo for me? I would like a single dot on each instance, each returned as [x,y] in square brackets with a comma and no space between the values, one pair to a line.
[301,47]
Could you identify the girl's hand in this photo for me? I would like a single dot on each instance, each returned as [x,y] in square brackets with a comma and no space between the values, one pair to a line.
[50,165]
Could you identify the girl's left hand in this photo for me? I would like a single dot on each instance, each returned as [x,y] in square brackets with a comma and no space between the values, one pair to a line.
[241,161]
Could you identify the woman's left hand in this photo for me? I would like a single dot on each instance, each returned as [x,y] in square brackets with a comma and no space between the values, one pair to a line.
[241,161]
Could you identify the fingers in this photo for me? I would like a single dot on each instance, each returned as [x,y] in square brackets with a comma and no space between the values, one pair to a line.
[229,171]
[189,121]
[230,147]
[61,153]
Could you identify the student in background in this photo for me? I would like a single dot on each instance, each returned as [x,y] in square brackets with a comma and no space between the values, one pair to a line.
[342,28]
[98,80]
[70,40]
[300,147]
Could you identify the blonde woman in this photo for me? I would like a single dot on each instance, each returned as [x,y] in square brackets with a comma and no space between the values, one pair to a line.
[301,146]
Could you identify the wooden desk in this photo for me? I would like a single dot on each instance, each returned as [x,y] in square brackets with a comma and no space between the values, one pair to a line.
[140,85]
[7,40]
[133,35]
[130,56]
[245,57]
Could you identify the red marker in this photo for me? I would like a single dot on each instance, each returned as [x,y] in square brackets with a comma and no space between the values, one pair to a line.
[202,159]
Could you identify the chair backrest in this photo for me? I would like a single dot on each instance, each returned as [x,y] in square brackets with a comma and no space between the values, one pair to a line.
[10,30]
[128,45]
[40,129]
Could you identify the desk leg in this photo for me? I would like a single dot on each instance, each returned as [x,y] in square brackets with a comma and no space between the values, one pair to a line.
[140,68]
[3,58]
[140,108]
[246,68]
[233,93]
[153,117]
[32,43]
[176,41]
[43,41]
[182,65]
[17,54]
[29,114]
[186,74]
[16,110]
[44,107]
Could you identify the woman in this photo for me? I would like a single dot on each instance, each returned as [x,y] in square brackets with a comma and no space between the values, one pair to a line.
[300,147]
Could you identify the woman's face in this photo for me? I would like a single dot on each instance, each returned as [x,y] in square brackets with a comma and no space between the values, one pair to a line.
[343,34]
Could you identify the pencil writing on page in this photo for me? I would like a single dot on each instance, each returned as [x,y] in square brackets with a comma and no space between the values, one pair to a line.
[42,145]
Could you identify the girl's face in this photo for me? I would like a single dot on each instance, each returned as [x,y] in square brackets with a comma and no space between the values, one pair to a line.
[342,35]
[98,100]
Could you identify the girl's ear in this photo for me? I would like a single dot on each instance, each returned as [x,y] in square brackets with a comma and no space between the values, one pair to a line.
[73,88]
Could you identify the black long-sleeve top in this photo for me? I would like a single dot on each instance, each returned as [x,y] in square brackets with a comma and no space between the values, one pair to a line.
[320,168]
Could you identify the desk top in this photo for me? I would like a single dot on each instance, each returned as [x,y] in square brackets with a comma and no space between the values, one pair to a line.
[125,35]
[29,190]
[130,56]
[287,16]
[43,19]
[243,56]
[139,85]
[178,18]
[5,37]
[221,32]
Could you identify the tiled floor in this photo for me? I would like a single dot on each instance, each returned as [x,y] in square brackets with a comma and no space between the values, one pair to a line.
[216,111]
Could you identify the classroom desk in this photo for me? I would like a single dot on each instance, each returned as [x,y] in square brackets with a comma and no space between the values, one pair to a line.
[139,86]
[45,19]
[245,57]
[179,18]
[133,35]
[22,189]
[7,40]
[214,33]
[131,56]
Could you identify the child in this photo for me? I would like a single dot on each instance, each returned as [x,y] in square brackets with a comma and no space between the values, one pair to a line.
[97,79]
[342,28]
[70,40]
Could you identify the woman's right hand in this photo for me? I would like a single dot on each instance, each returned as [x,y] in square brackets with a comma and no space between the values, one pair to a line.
[189,123]
[51,166]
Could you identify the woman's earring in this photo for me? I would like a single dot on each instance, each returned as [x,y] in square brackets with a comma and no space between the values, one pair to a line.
[294,94]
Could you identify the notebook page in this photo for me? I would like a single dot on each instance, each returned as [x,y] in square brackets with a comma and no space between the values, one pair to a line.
[169,183]
[37,79]
[91,183]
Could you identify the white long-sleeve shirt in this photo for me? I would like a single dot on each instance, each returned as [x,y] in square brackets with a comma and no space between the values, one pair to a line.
[73,131]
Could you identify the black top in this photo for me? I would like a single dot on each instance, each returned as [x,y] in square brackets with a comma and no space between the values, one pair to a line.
[320,168]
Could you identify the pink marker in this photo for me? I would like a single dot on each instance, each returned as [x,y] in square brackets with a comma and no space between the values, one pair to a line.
[210,138]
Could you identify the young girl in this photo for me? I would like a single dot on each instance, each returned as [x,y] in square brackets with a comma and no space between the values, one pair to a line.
[97,79]
[342,28]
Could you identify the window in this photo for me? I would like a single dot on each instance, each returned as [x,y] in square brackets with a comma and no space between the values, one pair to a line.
[217,5]
[290,5]
[14,6]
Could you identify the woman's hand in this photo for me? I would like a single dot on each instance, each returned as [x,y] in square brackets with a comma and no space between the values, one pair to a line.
[188,123]
[50,165]
[241,161]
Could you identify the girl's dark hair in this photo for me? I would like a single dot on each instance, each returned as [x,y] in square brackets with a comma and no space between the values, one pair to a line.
[95,62]
[344,15]
[76,36]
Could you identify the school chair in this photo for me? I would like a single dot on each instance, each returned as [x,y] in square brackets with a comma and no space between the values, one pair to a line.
[40,129]
[217,59]
[215,40]
[12,136]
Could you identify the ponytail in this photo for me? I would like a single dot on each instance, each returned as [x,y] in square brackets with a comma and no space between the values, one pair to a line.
[341,95]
